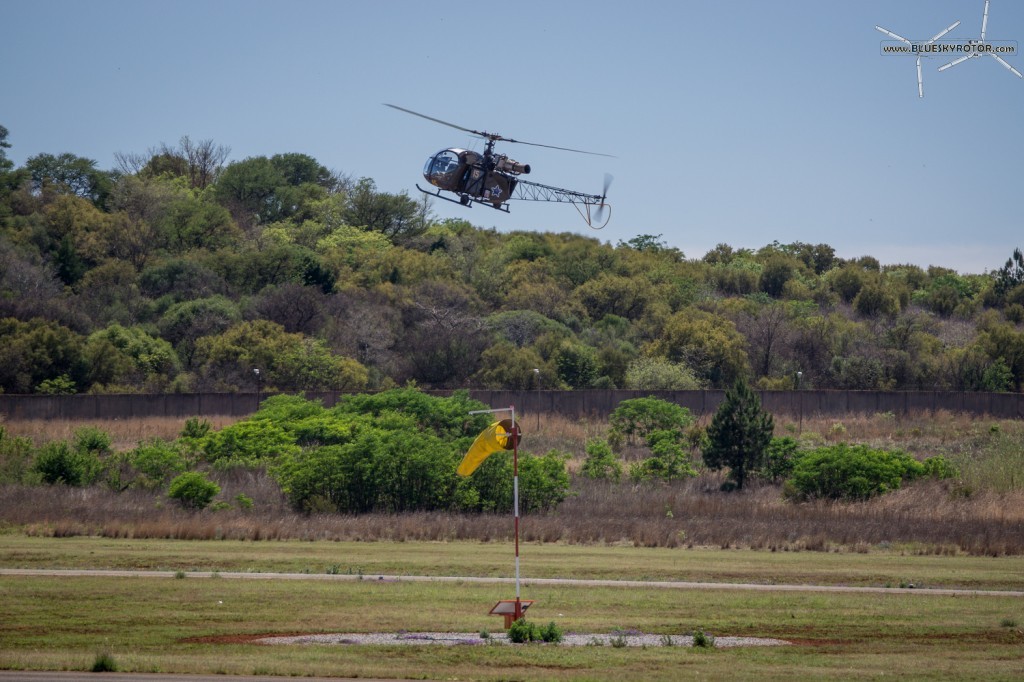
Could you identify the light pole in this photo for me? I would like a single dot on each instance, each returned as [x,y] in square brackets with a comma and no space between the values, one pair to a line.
[800,395]
[256,371]
[536,386]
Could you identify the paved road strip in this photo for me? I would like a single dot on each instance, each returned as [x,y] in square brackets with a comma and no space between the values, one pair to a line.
[664,584]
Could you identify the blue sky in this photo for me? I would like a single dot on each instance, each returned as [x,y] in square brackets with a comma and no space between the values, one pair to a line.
[741,122]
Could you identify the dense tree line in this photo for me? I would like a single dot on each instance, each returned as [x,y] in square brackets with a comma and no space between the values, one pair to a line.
[180,270]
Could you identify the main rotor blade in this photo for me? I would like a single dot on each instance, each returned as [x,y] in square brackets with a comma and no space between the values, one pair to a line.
[954,62]
[890,33]
[944,32]
[920,82]
[491,136]
[1006,64]
[984,22]
[437,120]
[549,146]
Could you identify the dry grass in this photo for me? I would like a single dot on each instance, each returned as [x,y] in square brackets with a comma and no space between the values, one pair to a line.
[125,433]
[974,516]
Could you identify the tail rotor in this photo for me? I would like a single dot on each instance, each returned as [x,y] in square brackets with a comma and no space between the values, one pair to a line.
[603,209]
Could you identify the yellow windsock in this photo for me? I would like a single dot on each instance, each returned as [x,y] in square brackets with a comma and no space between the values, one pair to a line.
[492,439]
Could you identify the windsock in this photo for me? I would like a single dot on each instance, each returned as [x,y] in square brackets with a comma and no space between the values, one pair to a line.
[495,437]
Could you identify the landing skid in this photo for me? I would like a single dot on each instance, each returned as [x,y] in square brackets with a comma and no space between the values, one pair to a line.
[465,200]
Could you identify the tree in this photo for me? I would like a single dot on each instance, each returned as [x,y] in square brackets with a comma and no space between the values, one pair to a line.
[5,163]
[706,342]
[1010,275]
[247,188]
[394,215]
[69,174]
[659,374]
[739,434]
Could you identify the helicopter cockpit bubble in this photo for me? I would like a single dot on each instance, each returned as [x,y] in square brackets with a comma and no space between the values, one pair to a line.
[442,169]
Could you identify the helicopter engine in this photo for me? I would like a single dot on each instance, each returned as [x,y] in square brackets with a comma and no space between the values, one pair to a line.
[510,166]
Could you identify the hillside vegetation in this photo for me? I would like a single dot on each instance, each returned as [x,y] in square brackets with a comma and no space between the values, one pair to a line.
[182,271]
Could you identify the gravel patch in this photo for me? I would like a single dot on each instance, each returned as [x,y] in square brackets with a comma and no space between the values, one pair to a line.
[630,639]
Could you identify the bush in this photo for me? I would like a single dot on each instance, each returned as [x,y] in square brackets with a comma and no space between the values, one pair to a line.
[91,439]
[522,631]
[703,640]
[601,462]
[668,463]
[939,467]
[15,458]
[104,663]
[551,633]
[779,459]
[156,462]
[248,443]
[59,463]
[639,417]
[851,472]
[193,490]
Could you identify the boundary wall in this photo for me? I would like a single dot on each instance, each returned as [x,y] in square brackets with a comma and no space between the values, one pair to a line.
[590,403]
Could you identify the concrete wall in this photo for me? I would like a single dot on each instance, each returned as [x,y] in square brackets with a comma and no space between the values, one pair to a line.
[569,403]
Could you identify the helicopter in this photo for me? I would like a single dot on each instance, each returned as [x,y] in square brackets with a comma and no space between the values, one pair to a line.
[493,179]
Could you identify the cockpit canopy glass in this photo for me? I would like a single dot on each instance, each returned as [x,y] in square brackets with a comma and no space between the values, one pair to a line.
[441,167]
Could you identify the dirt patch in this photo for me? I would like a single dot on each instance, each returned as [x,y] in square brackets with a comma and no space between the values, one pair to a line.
[470,638]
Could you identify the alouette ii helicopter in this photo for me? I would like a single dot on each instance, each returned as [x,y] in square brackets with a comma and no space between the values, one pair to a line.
[493,179]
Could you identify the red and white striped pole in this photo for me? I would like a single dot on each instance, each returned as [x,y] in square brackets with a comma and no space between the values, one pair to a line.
[515,501]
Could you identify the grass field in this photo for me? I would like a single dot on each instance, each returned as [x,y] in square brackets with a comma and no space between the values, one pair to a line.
[201,625]
[967,535]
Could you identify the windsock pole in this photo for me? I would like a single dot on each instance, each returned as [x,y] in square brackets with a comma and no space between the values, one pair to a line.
[514,435]
[515,501]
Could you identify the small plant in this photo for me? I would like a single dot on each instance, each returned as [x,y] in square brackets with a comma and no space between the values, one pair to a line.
[334,569]
[666,640]
[179,575]
[104,663]
[243,501]
[522,632]
[1008,622]
[618,641]
[195,428]
[484,634]
[551,633]
[702,640]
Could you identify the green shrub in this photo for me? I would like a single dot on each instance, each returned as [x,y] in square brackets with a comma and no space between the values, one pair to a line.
[91,439]
[780,458]
[852,472]
[669,461]
[939,467]
[195,429]
[551,633]
[639,417]
[703,640]
[15,458]
[155,462]
[104,663]
[192,489]
[59,463]
[448,418]
[601,462]
[248,443]
[522,631]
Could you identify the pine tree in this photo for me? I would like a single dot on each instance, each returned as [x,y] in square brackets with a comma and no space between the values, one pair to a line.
[739,434]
